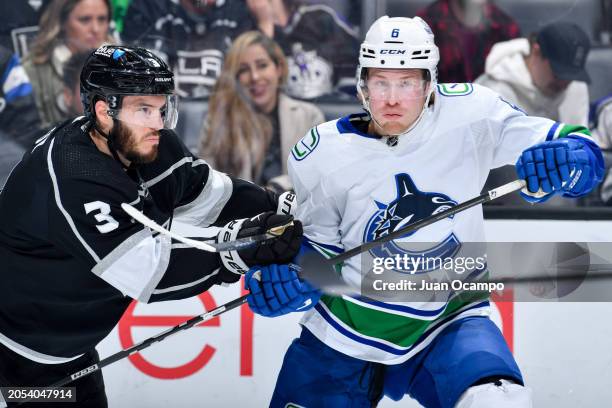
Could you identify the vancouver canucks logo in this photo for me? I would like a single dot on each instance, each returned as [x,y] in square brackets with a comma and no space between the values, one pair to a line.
[409,206]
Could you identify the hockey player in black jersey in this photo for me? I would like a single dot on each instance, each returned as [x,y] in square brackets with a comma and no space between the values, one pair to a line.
[72,259]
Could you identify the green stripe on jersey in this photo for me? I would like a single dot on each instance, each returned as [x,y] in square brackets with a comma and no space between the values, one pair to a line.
[400,330]
[567,129]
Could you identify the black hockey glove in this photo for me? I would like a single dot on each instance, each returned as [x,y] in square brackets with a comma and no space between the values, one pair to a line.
[287,203]
[280,249]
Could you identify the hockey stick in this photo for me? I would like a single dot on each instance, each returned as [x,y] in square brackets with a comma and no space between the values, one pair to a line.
[481,199]
[148,342]
[315,268]
[236,245]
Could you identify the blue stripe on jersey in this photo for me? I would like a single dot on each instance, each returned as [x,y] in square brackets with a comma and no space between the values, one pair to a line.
[356,338]
[345,125]
[402,308]
[418,312]
[446,320]
[308,242]
[552,131]
[385,347]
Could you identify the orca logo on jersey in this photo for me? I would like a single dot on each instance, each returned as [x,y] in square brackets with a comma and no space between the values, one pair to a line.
[409,206]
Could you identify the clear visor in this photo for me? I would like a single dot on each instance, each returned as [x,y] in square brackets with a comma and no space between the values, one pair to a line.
[148,111]
[378,89]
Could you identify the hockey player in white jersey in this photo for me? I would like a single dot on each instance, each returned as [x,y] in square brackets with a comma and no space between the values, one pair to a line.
[419,148]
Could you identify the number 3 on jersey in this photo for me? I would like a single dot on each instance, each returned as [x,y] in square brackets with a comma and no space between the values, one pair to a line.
[107,223]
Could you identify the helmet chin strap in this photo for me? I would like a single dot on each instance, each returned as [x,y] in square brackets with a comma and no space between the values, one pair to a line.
[110,140]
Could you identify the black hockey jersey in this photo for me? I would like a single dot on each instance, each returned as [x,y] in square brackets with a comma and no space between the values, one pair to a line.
[72,259]
[194,46]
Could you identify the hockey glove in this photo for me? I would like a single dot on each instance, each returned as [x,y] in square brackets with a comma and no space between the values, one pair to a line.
[280,249]
[287,203]
[572,166]
[277,290]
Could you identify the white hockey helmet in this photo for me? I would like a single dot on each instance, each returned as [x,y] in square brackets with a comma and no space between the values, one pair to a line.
[396,43]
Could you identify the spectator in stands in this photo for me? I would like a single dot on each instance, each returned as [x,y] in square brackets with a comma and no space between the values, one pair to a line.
[465,31]
[251,124]
[66,27]
[17,19]
[119,8]
[19,119]
[544,75]
[191,35]
[601,121]
[72,83]
[601,126]
[18,114]
[320,47]
[19,122]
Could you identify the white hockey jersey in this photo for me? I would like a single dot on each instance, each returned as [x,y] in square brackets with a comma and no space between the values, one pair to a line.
[345,180]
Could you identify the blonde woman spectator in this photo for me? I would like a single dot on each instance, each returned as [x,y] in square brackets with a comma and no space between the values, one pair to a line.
[66,27]
[251,124]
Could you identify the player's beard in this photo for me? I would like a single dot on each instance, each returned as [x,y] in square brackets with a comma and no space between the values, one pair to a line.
[125,144]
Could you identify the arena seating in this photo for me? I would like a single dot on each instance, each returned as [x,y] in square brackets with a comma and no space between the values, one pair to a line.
[189,125]
[599,66]
[529,14]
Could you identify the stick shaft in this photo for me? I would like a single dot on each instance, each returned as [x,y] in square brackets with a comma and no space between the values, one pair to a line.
[235,245]
[483,198]
[151,340]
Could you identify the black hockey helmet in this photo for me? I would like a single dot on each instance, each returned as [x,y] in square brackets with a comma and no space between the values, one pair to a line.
[112,71]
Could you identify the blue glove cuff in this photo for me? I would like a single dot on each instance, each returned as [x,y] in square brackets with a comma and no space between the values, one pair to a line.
[596,166]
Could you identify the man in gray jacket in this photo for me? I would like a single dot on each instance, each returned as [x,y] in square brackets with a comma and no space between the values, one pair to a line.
[543,74]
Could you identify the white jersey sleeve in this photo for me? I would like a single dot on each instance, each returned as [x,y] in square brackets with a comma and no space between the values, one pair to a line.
[511,130]
[316,207]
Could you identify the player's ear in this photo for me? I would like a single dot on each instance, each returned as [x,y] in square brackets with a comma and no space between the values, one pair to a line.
[102,116]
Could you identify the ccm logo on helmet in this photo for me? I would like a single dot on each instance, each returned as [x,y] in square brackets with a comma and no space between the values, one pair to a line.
[392,51]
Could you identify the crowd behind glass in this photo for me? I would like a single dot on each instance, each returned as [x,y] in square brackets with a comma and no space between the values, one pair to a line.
[254,75]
